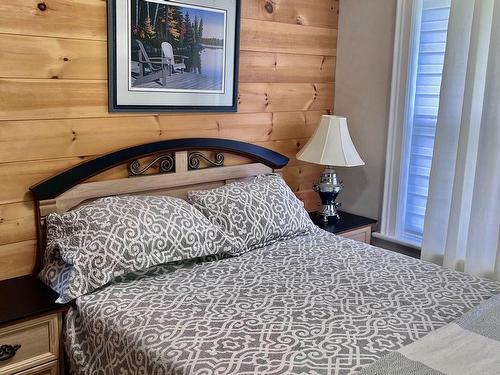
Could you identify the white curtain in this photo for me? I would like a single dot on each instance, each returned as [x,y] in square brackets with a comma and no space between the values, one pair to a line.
[462,220]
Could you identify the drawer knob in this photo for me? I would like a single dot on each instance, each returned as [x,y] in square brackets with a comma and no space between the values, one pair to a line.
[8,351]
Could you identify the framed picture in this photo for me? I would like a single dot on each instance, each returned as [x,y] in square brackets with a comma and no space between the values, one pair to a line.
[166,55]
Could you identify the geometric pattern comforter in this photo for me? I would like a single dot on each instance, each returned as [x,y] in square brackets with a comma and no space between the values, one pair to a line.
[315,304]
[469,345]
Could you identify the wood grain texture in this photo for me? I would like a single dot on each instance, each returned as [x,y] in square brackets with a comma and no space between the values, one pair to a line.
[264,36]
[363,234]
[302,177]
[320,13]
[276,97]
[35,140]
[86,19]
[17,259]
[51,368]
[310,199]
[16,178]
[282,67]
[39,341]
[17,222]
[25,56]
[46,98]
[19,176]
[66,180]
[78,19]
[53,100]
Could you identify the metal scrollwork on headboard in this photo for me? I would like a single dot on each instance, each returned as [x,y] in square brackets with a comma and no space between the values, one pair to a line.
[194,159]
[56,185]
[165,164]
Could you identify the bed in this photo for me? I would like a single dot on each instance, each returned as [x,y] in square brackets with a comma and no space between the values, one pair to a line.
[314,303]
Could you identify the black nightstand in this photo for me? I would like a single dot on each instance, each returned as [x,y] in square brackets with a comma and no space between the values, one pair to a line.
[30,327]
[351,226]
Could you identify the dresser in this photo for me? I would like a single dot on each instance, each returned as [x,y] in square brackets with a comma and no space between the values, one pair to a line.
[30,328]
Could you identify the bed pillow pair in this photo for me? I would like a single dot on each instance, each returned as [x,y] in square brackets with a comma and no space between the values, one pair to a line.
[95,243]
[110,237]
[258,212]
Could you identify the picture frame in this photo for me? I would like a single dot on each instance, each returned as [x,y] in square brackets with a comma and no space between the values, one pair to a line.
[173,56]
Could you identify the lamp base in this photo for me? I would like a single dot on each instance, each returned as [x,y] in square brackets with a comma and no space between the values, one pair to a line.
[328,212]
[328,189]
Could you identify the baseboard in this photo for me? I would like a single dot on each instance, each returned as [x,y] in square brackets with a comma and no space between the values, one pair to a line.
[411,251]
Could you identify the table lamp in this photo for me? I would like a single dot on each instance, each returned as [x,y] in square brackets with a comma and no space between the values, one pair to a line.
[330,145]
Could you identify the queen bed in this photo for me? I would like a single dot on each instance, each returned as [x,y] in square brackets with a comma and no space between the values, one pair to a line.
[283,297]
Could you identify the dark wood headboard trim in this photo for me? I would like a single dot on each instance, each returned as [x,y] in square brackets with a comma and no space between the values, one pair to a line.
[56,185]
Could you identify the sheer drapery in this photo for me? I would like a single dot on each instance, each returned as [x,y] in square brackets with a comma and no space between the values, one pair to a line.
[462,219]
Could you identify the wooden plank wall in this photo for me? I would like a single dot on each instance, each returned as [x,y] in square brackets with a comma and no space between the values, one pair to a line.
[53,98]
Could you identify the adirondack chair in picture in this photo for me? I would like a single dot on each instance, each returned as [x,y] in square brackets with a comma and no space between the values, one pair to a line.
[168,53]
[151,69]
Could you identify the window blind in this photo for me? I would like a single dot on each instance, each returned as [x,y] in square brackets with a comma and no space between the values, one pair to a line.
[424,109]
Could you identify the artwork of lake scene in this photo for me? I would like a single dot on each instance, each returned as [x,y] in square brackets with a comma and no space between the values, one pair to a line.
[176,47]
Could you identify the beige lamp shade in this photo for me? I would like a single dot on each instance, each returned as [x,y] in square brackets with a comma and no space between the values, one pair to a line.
[331,144]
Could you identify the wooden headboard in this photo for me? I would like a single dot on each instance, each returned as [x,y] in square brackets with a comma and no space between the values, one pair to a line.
[181,165]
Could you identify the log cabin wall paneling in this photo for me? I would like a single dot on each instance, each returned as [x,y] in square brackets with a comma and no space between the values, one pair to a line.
[53,99]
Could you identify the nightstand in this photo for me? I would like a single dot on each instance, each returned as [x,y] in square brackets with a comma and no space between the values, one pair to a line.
[30,328]
[351,226]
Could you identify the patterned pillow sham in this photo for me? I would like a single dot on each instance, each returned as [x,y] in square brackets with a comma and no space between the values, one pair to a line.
[110,237]
[258,212]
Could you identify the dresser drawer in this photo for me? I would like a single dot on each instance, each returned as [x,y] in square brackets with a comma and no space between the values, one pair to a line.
[51,368]
[363,234]
[39,344]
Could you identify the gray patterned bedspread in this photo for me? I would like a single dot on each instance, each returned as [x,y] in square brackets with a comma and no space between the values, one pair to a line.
[316,304]
[469,345]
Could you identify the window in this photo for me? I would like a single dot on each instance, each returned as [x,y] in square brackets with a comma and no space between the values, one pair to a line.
[418,67]
[430,31]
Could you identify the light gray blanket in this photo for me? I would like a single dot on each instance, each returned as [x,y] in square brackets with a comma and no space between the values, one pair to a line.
[470,345]
[315,304]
